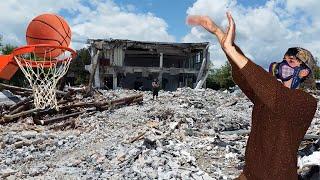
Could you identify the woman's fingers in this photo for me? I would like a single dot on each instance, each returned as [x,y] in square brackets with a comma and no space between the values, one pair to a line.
[203,21]
[193,20]
[234,29]
[303,73]
[196,20]
[230,32]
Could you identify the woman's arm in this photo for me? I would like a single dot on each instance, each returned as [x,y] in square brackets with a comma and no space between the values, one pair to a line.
[211,27]
[264,86]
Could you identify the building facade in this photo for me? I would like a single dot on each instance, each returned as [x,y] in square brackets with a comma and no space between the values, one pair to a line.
[134,64]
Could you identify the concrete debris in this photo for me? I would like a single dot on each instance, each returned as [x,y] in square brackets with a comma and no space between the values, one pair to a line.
[185,134]
[311,160]
[7,98]
[7,172]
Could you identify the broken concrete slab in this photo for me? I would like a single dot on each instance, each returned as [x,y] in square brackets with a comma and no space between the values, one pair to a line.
[7,98]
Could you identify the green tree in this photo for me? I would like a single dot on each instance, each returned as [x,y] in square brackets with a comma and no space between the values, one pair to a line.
[7,49]
[77,67]
[317,70]
[220,78]
[211,80]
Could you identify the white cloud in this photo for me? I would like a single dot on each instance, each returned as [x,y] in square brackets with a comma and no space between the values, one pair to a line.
[307,6]
[88,19]
[15,16]
[264,33]
[120,24]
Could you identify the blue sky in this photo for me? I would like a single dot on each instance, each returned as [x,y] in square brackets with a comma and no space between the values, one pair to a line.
[252,3]
[174,11]
[265,28]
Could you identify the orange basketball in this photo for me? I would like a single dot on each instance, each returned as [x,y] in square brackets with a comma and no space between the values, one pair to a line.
[48,29]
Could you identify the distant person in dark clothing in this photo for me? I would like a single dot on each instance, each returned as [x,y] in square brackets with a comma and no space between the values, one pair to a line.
[155,88]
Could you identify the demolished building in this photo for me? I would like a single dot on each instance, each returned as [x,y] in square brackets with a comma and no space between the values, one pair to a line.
[134,64]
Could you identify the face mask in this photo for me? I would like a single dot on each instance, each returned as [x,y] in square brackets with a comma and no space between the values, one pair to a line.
[285,72]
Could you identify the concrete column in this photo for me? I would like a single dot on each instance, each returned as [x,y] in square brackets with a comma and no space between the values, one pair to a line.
[160,78]
[115,81]
[161,66]
[97,81]
[204,69]
[161,60]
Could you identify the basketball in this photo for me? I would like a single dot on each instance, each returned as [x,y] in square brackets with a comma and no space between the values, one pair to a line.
[48,29]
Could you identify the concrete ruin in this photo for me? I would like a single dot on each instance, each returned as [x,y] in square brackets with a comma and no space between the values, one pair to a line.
[134,64]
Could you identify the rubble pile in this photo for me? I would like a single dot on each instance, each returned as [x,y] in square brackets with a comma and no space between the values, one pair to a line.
[185,134]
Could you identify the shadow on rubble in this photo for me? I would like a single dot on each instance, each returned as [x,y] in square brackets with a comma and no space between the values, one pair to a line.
[314,171]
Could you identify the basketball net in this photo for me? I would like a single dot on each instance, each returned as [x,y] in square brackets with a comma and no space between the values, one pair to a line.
[43,71]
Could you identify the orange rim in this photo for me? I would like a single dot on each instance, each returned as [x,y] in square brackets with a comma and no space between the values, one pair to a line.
[31,48]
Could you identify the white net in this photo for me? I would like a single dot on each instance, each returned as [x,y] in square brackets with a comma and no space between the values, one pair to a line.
[43,72]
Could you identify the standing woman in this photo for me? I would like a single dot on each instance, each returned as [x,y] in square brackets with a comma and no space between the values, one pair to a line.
[280,115]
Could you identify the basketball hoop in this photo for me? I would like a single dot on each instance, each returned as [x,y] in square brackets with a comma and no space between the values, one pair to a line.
[43,69]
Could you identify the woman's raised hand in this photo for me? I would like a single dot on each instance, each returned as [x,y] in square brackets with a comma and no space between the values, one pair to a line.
[226,40]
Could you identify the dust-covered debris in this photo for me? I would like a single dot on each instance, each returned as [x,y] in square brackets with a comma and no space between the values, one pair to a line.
[185,134]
